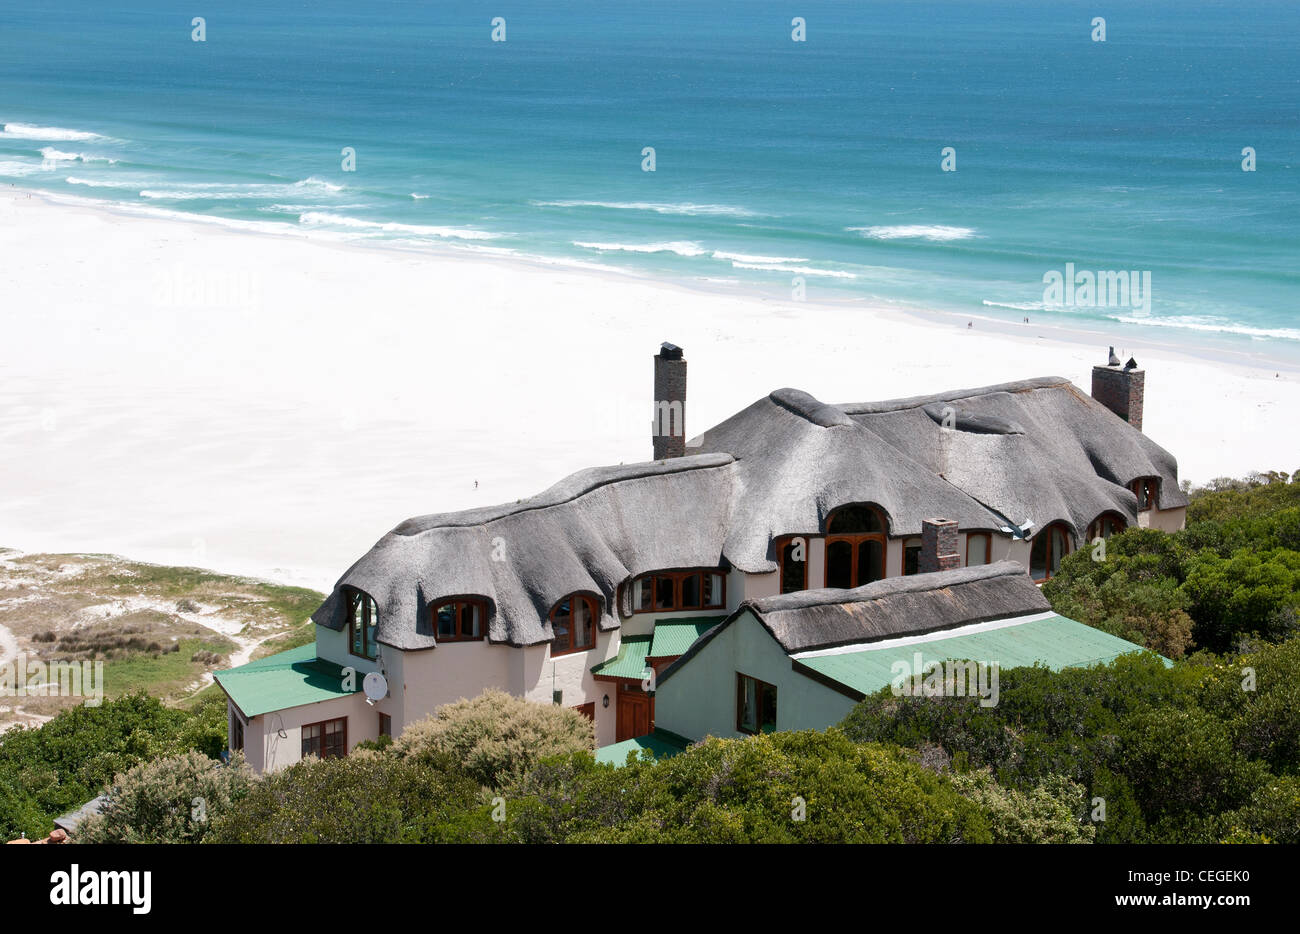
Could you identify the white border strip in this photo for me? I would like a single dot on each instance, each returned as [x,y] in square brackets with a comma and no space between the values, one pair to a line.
[990,626]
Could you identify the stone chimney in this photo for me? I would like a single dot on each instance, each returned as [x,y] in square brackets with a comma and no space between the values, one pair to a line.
[668,429]
[1120,389]
[938,546]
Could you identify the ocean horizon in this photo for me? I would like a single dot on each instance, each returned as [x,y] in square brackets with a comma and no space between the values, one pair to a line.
[982,158]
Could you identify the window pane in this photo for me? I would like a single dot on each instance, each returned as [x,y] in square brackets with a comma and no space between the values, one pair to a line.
[871,562]
[911,558]
[691,592]
[747,718]
[794,572]
[977,550]
[767,707]
[469,620]
[712,590]
[446,619]
[372,627]
[839,565]
[562,623]
[584,635]
[664,593]
[1038,557]
[1059,546]
[644,594]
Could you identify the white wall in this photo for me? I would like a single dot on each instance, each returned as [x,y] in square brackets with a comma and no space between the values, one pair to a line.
[267,750]
[700,698]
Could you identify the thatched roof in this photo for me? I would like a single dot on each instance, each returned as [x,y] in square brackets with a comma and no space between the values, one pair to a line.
[589,533]
[899,606]
[1039,450]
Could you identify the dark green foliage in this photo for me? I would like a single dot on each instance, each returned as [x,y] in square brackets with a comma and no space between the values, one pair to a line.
[59,766]
[363,798]
[1171,750]
[1232,574]
[744,791]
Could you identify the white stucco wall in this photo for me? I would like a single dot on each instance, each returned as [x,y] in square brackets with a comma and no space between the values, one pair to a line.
[274,740]
[1166,520]
[700,698]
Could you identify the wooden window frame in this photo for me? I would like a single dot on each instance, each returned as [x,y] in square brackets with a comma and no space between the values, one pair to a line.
[856,540]
[458,636]
[781,545]
[1151,486]
[1047,549]
[322,724]
[758,695]
[988,548]
[593,607]
[588,710]
[369,650]
[652,579]
[1096,525]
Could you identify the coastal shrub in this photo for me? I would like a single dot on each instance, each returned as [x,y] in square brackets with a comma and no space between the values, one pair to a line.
[1233,573]
[1169,751]
[789,787]
[62,764]
[496,737]
[55,768]
[1054,811]
[170,800]
[1248,593]
[366,797]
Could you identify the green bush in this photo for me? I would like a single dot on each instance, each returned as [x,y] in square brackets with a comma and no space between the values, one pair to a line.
[1054,811]
[366,797]
[59,766]
[744,791]
[496,737]
[171,800]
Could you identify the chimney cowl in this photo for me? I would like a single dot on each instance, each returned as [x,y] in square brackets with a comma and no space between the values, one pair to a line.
[670,351]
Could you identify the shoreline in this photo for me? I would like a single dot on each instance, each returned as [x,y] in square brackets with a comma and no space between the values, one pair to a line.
[186,393]
[1224,347]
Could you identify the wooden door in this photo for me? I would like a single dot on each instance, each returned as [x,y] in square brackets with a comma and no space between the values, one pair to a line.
[634,714]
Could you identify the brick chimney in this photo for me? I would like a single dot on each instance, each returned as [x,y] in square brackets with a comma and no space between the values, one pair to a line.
[1120,389]
[668,429]
[938,546]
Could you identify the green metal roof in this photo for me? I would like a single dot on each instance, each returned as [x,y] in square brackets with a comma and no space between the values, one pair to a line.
[675,636]
[1056,641]
[661,743]
[630,660]
[286,679]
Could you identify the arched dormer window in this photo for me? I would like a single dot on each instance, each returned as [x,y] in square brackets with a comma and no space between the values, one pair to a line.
[461,620]
[1049,546]
[1147,491]
[855,546]
[1106,525]
[363,623]
[574,621]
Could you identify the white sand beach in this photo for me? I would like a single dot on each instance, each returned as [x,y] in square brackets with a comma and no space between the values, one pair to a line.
[180,392]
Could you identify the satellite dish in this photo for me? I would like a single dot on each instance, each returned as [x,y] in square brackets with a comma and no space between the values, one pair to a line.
[376,687]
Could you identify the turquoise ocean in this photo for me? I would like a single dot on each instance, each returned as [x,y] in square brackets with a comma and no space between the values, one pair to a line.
[774,159]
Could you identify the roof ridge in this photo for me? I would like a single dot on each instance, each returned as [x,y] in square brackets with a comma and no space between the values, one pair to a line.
[911,402]
[560,495]
[887,587]
[808,407]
